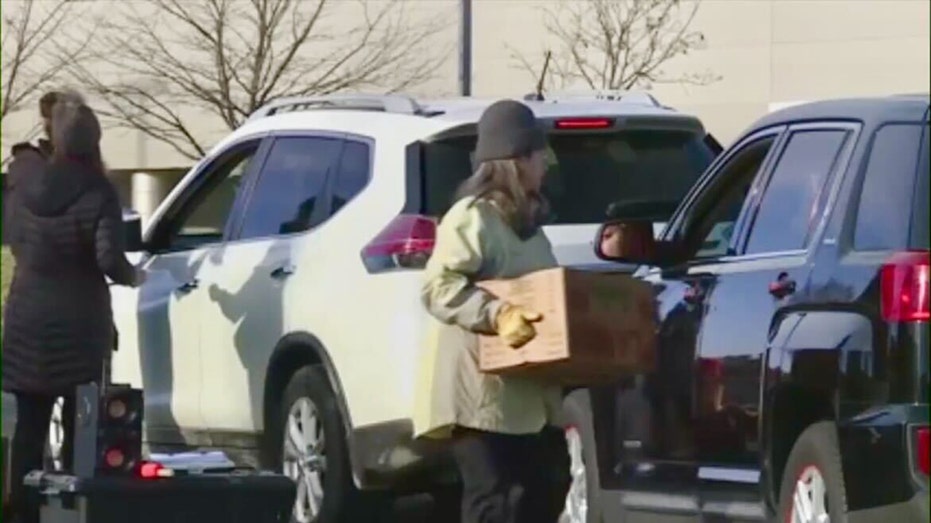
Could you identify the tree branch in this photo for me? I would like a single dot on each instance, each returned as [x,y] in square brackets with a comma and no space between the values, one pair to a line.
[619,44]
[228,58]
[35,48]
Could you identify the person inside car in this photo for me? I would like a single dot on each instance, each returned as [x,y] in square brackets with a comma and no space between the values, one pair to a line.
[512,459]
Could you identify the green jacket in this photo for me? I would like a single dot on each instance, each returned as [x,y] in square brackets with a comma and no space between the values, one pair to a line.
[473,243]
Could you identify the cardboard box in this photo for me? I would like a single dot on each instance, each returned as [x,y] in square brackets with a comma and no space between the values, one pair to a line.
[596,327]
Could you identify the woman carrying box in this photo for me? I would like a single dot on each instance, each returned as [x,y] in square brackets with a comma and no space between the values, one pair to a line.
[505,433]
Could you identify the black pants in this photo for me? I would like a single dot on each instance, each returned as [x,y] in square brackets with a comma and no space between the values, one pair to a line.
[512,479]
[33,415]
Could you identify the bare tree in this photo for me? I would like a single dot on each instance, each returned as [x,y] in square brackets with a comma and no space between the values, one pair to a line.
[227,58]
[34,51]
[617,44]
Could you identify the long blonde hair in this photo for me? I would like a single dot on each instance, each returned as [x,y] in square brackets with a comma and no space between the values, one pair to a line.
[504,183]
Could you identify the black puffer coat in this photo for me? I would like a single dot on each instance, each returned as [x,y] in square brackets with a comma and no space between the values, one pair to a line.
[66,235]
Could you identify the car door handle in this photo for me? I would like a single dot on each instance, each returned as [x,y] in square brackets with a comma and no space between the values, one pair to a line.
[782,287]
[282,272]
[188,286]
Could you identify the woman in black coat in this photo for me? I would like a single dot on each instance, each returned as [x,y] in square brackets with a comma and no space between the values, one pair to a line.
[58,325]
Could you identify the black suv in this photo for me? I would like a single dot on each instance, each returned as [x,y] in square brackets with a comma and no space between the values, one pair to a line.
[791,372]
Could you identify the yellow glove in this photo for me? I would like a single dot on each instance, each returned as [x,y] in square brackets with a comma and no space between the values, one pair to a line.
[514,324]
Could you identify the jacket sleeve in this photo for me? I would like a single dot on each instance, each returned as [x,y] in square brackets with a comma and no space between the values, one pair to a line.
[109,243]
[449,292]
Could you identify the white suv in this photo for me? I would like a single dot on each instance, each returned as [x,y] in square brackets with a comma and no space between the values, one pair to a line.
[281,320]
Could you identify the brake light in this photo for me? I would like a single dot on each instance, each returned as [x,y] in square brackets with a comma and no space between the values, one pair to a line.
[114,458]
[922,456]
[584,123]
[903,287]
[406,243]
[152,470]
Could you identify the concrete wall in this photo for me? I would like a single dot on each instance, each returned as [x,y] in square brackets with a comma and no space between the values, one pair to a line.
[764,51]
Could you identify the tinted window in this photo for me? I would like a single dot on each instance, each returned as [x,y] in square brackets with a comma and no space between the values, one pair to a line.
[795,192]
[588,172]
[203,218]
[888,181]
[920,234]
[290,193]
[727,195]
[353,173]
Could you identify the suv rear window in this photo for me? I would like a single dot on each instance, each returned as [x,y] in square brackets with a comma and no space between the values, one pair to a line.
[588,171]
[920,233]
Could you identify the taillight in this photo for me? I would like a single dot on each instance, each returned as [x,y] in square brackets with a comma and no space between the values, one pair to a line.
[921,451]
[152,470]
[903,287]
[584,123]
[406,243]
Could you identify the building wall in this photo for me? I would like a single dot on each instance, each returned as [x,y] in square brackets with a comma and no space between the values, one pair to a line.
[764,51]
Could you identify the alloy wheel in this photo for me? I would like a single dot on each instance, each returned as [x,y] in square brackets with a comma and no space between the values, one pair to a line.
[304,460]
[576,510]
[810,498]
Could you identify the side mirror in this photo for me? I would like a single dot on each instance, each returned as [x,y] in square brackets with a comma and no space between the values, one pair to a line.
[633,242]
[132,231]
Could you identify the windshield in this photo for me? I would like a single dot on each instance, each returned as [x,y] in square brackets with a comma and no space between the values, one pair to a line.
[587,171]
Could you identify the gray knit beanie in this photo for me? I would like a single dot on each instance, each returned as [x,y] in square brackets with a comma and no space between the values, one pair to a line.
[508,129]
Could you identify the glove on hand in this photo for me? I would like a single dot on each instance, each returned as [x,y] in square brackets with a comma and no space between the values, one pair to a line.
[514,325]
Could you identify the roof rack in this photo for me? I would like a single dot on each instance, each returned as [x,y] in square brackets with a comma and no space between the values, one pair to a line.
[632,97]
[389,103]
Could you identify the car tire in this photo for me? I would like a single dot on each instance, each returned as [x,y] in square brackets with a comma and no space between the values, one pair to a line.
[580,435]
[813,480]
[310,412]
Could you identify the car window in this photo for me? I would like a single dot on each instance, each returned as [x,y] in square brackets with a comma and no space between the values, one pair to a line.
[587,171]
[289,195]
[353,173]
[883,212]
[795,192]
[920,234]
[203,217]
[711,224]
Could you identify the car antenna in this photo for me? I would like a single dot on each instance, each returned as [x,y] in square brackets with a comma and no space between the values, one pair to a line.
[538,94]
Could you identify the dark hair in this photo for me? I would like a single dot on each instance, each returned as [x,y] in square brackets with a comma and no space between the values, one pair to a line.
[76,131]
[47,102]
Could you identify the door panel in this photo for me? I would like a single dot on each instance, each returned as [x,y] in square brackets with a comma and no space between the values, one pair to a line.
[769,271]
[735,334]
[657,440]
[168,342]
[244,317]
[170,304]
[241,324]
[665,437]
